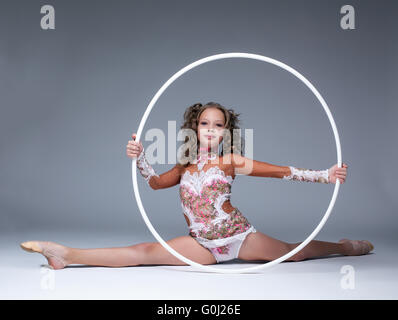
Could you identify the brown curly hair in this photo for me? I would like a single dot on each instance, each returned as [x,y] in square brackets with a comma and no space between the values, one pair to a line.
[232,121]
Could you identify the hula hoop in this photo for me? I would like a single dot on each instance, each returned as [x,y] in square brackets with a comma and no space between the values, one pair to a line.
[144,119]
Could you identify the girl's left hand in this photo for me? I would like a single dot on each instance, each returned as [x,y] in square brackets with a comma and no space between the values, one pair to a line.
[338,173]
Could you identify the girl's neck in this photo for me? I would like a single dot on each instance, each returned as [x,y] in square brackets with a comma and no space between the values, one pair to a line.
[206,151]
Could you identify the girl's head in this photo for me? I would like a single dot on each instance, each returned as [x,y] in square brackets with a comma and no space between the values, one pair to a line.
[212,124]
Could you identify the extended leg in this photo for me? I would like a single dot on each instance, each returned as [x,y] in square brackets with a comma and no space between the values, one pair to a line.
[258,246]
[59,256]
[316,248]
[144,254]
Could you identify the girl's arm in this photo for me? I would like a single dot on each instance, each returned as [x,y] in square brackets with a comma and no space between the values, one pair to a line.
[247,166]
[165,180]
[135,150]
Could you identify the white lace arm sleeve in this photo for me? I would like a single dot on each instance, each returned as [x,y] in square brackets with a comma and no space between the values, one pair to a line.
[145,168]
[301,174]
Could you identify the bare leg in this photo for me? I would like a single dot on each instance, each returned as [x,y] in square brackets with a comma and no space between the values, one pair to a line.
[258,246]
[138,254]
[316,248]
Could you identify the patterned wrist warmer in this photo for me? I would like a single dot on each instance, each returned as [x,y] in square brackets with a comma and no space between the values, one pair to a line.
[145,168]
[301,174]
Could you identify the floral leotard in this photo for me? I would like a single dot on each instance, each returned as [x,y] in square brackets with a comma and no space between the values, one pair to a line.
[205,197]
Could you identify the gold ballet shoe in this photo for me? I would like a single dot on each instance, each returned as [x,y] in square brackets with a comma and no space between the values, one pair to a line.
[55,261]
[359,247]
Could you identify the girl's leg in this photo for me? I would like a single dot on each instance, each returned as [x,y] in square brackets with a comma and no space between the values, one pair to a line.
[59,256]
[258,246]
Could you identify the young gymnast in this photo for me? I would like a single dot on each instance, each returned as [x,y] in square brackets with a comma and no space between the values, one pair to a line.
[218,231]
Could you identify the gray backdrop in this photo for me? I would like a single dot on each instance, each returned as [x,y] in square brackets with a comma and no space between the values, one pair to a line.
[71,97]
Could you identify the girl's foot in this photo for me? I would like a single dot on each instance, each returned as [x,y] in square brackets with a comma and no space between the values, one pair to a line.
[54,252]
[357,247]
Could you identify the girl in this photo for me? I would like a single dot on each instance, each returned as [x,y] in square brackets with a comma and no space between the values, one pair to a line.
[218,231]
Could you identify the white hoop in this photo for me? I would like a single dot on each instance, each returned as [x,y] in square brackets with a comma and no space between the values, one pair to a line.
[142,123]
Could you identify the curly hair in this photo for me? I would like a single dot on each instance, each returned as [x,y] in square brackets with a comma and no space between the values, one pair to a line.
[232,121]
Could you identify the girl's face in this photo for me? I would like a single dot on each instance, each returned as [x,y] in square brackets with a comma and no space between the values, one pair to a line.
[211,125]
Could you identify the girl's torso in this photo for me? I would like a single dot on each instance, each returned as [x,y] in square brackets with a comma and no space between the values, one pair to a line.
[205,200]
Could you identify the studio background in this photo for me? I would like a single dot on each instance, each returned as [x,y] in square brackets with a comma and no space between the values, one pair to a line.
[72,97]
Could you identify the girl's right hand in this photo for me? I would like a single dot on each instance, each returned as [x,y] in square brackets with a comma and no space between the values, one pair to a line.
[134,148]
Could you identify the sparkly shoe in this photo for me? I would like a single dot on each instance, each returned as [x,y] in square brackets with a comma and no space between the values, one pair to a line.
[47,249]
[359,247]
